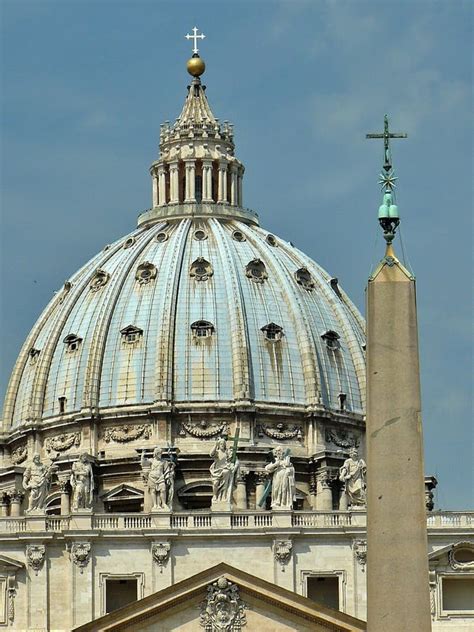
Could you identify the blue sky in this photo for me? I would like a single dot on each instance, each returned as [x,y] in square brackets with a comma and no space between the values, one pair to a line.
[85,86]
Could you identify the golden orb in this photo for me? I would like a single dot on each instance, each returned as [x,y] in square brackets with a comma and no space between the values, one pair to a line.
[196,66]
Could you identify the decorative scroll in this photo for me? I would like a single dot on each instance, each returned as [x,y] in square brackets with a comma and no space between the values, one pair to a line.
[360,551]
[222,610]
[35,554]
[123,434]
[203,430]
[19,454]
[342,438]
[161,553]
[63,442]
[280,432]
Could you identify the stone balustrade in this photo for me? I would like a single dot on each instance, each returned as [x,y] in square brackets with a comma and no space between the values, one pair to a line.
[213,521]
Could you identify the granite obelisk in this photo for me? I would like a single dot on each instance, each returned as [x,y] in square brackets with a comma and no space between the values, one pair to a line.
[397,553]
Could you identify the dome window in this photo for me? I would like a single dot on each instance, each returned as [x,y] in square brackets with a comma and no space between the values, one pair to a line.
[33,355]
[256,271]
[161,237]
[100,278]
[200,235]
[303,277]
[331,338]
[271,239]
[273,332]
[202,329]
[129,243]
[201,270]
[72,343]
[131,334]
[342,397]
[145,273]
[62,405]
[238,235]
[335,286]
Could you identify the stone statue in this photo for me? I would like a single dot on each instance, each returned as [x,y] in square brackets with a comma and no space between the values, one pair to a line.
[82,483]
[352,474]
[223,471]
[37,481]
[159,475]
[283,480]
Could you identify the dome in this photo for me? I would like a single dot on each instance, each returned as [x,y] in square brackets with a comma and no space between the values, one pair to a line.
[199,308]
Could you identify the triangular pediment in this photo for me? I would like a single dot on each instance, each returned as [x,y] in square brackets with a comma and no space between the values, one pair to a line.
[263,605]
[458,555]
[123,492]
[9,564]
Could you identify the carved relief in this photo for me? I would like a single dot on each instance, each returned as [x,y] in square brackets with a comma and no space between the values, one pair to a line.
[35,554]
[145,273]
[11,600]
[280,432]
[342,438]
[203,430]
[161,553]
[100,278]
[19,454]
[222,610]
[125,433]
[63,442]
[256,271]
[201,270]
[80,554]
[282,552]
[360,552]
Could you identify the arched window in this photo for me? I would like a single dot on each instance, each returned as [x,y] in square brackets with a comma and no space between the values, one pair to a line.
[201,270]
[202,329]
[303,277]
[256,271]
[198,189]
[72,343]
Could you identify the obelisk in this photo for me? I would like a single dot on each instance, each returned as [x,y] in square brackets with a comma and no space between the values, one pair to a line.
[397,554]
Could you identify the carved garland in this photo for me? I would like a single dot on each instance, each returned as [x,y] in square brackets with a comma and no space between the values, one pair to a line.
[281,432]
[161,553]
[282,552]
[203,430]
[80,554]
[123,434]
[63,442]
[360,551]
[342,438]
[35,554]
[222,610]
[19,454]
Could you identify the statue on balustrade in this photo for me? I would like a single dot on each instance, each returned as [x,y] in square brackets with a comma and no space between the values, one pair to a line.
[82,483]
[283,479]
[224,471]
[37,481]
[353,475]
[159,473]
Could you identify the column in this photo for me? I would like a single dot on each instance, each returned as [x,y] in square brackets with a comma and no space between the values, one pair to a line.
[64,488]
[233,184]
[16,498]
[190,188]
[324,494]
[174,182]
[241,491]
[239,187]
[161,185]
[260,484]
[207,181]
[4,498]
[154,180]
[222,183]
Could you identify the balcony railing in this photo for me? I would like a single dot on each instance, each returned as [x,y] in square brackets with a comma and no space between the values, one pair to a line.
[209,521]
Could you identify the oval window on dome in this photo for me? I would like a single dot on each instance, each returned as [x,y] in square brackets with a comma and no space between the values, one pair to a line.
[72,342]
[271,239]
[238,235]
[202,329]
[200,235]
[100,278]
[161,236]
[129,242]
[145,273]
[303,277]
[201,270]
[256,271]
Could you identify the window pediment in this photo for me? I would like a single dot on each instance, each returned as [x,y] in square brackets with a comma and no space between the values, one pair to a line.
[201,270]
[256,271]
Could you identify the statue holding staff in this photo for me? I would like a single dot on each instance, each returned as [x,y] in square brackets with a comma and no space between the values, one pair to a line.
[283,480]
[352,474]
[223,471]
[37,481]
[159,475]
[82,483]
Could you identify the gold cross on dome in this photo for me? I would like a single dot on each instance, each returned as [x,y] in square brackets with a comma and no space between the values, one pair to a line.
[195,37]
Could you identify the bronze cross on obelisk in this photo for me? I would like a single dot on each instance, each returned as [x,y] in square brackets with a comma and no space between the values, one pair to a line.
[387,135]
